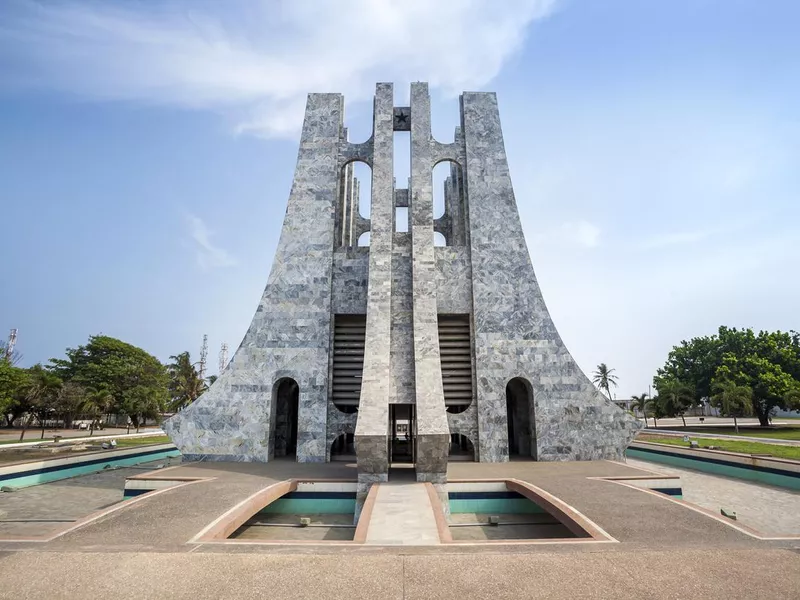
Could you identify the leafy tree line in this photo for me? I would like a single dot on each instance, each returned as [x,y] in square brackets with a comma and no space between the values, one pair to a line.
[104,376]
[739,371]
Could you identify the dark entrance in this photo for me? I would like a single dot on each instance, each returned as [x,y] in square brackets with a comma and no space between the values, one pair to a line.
[402,427]
[287,396]
[521,421]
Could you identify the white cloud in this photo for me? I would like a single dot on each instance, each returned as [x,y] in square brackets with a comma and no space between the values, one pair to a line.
[254,61]
[208,255]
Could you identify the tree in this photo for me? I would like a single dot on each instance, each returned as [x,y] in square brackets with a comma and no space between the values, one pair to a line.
[211,379]
[42,394]
[141,403]
[675,398]
[13,382]
[792,399]
[70,401]
[120,369]
[185,384]
[13,358]
[767,362]
[732,399]
[604,379]
[96,404]
[656,407]
[640,403]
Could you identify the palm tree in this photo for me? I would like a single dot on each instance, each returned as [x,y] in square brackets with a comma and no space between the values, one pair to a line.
[41,395]
[675,397]
[734,400]
[185,384]
[97,404]
[604,379]
[640,403]
[656,406]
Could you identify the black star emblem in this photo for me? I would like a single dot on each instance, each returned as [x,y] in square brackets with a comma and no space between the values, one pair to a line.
[401,117]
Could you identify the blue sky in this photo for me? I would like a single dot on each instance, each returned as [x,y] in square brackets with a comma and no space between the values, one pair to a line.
[147,150]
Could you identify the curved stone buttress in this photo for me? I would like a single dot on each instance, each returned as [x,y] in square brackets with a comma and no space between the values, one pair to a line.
[514,335]
[289,336]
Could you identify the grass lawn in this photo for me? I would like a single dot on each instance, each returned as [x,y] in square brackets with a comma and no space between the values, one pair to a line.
[12,455]
[778,433]
[152,439]
[790,452]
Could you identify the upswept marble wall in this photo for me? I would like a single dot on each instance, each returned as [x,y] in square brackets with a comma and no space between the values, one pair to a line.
[514,334]
[290,332]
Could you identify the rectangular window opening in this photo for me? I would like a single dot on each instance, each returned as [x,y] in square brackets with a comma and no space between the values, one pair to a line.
[401,219]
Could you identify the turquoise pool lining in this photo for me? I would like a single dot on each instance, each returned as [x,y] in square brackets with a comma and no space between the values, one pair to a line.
[717,467]
[312,503]
[56,473]
[494,503]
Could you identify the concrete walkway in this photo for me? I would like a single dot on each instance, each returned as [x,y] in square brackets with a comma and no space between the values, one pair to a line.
[402,515]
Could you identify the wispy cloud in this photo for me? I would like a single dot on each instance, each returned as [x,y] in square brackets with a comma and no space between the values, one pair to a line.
[253,61]
[677,238]
[209,256]
[692,236]
[583,234]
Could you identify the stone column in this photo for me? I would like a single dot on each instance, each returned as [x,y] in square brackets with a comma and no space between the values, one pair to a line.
[433,433]
[372,427]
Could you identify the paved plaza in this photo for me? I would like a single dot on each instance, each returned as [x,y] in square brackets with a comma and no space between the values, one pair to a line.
[771,510]
[144,549]
[45,509]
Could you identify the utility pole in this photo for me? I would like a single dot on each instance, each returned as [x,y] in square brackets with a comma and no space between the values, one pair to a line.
[203,357]
[223,358]
[12,341]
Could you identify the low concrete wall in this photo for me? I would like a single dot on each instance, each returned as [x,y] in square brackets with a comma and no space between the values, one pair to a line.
[772,471]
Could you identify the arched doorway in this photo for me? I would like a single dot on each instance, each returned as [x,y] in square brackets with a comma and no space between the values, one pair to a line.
[521,421]
[286,400]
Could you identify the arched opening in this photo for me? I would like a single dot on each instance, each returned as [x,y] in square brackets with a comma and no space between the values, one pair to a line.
[439,240]
[286,399]
[355,196]
[362,174]
[363,240]
[521,420]
[344,447]
[461,448]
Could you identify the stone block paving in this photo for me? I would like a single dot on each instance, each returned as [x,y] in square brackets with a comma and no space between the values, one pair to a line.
[44,508]
[771,510]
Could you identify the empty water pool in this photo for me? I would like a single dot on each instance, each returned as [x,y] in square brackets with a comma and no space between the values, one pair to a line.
[314,511]
[490,511]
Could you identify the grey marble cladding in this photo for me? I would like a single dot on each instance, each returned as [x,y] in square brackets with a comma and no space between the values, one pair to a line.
[401,283]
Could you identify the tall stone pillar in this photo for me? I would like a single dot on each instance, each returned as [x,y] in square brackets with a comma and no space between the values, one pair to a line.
[433,433]
[372,426]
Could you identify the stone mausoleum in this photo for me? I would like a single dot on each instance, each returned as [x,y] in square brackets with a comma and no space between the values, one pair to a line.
[429,342]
